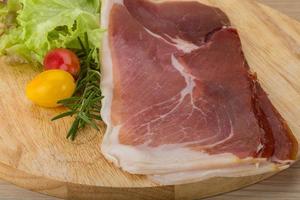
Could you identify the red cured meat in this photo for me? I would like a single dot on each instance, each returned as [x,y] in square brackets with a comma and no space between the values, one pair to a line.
[180,87]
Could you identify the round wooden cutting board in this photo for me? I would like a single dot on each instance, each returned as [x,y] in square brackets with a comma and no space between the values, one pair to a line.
[35,154]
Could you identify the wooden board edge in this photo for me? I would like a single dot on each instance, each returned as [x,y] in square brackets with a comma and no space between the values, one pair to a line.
[73,191]
[32,183]
[205,189]
[63,190]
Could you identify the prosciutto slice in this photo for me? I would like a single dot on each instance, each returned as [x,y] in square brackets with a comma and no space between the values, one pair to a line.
[181,104]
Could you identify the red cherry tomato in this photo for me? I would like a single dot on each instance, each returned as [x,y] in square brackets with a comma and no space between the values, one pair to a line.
[62,59]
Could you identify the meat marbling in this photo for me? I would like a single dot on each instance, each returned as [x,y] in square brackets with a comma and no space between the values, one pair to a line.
[181,104]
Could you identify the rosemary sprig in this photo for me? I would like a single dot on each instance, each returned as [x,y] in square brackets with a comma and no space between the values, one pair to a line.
[85,104]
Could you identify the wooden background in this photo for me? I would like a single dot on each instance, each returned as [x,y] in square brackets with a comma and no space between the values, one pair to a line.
[285,186]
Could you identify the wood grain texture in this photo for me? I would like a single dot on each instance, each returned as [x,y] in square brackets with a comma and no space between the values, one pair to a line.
[39,158]
[284,186]
[289,7]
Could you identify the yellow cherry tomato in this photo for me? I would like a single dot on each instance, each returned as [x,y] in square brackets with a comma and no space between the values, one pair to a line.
[49,87]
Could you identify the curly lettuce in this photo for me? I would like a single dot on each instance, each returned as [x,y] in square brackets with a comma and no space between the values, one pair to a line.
[40,26]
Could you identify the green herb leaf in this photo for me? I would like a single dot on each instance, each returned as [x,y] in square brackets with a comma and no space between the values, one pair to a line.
[85,104]
[66,114]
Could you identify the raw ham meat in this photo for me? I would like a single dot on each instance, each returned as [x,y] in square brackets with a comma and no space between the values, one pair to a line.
[181,104]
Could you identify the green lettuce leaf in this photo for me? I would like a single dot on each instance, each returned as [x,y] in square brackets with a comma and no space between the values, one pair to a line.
[44,25]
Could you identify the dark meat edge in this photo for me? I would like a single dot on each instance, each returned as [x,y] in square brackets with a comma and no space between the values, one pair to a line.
[260,101]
